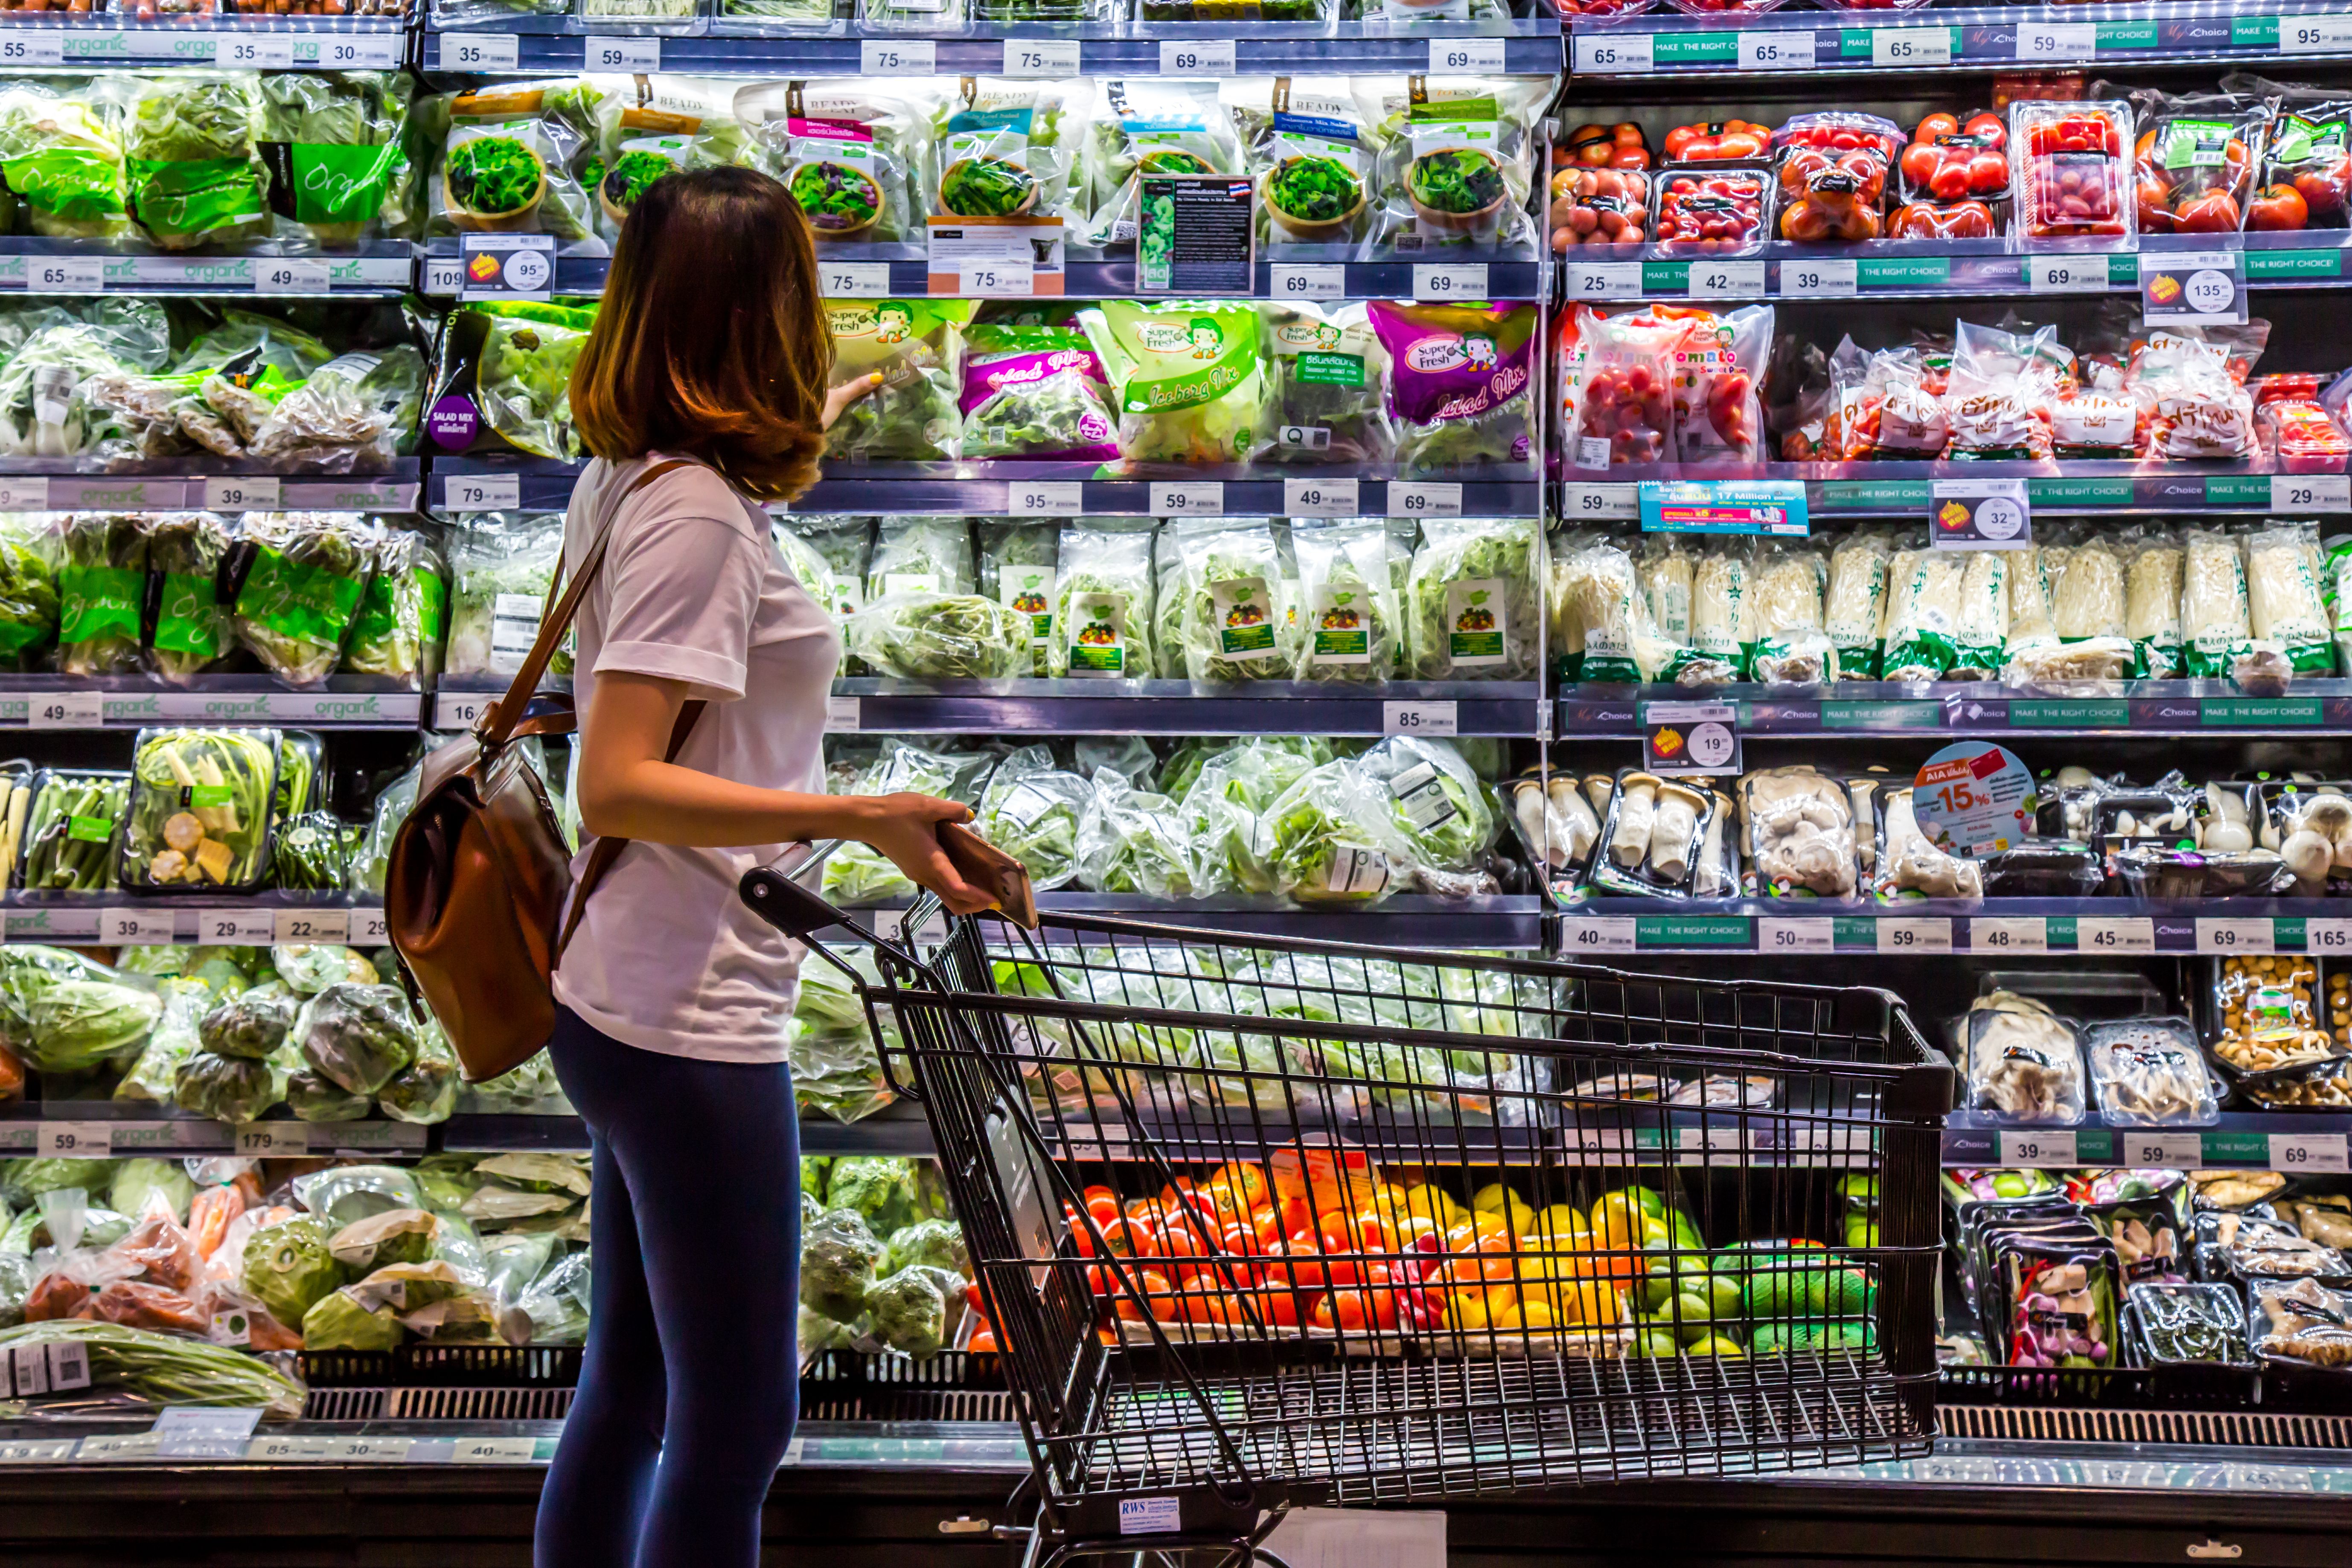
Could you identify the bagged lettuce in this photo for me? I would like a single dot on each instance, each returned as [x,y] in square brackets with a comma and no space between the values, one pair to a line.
[1331,386]
[193,153]
[184,549]
[920,555]
[1036,390]
[333,142]
[1227,801]
[922,636]
[917,346]
[861,874]
[1151,125]
[1471,602]
[397,632]
[28,586]
[302,588]
[101,587]
[1458,156]
[351,417]
[1460,385]
[1103,603]
[499,567]
[61,154]
[1190,380]
[848,150]
[1241,618]
[1031,810]
[510,158]
[1130,841]
[1346,601]
[1017,560]
[1333,839]
[1435,802]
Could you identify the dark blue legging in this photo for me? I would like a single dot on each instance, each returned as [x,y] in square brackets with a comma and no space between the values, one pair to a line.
[690,1383]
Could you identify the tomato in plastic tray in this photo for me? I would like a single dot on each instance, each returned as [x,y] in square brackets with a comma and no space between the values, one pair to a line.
[1618,146]
[1932,220]
[2069,182]
[1833,174]
[2302,434]
[1711,211]
[1728,140]
[1600,206]
[1950,161]
[1623,371]
[2307,167]
[2193,165]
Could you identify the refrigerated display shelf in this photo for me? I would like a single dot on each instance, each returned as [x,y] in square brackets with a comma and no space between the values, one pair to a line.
[1973,708]
[2000,928]
[1513,45]
[34,40]
[1045,490]
[379,268]
[115,919]
[1970,38]
[58,484]
[100,1129]
[1903,490]
[130,702]
[1035,706]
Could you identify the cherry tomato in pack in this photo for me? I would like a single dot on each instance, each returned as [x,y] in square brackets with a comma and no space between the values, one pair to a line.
[2307,152]
[1833,171]
[1931,220]
[2302,435]
[2071,182]
[1947,160]
[1600,206]
[1618,146]
[1711,212]
[1621,387]
[2192,167]
[1730,140]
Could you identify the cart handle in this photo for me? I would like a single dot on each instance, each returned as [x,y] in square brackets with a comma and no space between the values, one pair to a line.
[774,893]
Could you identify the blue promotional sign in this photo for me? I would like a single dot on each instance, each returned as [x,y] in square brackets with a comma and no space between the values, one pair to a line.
[1725,506]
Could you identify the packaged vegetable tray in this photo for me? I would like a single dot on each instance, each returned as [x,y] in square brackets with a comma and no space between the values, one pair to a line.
[200,804]
[303,581]
[73,831]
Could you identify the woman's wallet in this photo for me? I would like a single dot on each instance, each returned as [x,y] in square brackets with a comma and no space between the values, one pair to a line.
[992,871]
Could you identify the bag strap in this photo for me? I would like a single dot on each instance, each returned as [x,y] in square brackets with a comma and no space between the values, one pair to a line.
[607,850]
[503,720]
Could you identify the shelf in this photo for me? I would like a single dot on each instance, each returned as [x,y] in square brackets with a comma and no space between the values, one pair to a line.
[1283,272]
[1972,38]
[2000,928]
[1042,489]
[110,920]
[1936,268]
[131,702]
[1836,492]
[72,40]
[2304,1142]
[1174,708]
[1515,47]
[54,484]
[1403,919]
[382,269]
[1974,708]
[896,1129]
[100,1129]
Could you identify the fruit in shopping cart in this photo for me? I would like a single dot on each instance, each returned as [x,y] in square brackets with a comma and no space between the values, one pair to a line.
[2278,208]
[1278,1307]
[1559,1228]
[1419,1308]
[1297,1262]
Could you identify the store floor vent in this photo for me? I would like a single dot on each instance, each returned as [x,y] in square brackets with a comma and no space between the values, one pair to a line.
[2227,1428]
[344,1405]
[477,1403]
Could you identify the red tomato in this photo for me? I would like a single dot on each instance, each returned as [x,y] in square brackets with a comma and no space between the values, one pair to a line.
[1297,1261]
[2215,212]
[1103,1203]
[1935,125]
[1988,173]
[1276,1307]
[1133,1237]
[1949,182]
[982,1341]
[1987,130]
[1920,163]
[1159,1294]
[2278,207]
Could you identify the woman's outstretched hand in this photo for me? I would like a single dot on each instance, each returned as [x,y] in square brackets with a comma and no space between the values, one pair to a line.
[905,827]
[838,398]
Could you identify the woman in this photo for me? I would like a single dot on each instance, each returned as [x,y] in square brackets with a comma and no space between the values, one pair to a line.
[710,347]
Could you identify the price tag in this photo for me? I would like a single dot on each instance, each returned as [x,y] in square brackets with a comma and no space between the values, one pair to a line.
[631,55]
[1726,280]
[1309,283]
[2234,936]
[1045,498]
[481,492]
[1776,51]
[1041,57]
[2315,35]
[1604,279]
[1442,499]
[1690,737]
[310,925]
[65,274]
[1826,279]
[293,1450]
[495,1451]
[2006,936]
[2311,493]
[1729,1140]
[1193,500]
[2115,934]
[458,709]
[2047,41]
[1318,498]
[901,57]
[32,47]
[374,1449]
[841,715]
[2066,274]
[238,493]
[236,927]
[20,493]
[443,275]
[1581,934]
[1206,56]
[2307,1153]
[255,51]
[1602,503]
[1774,935]
[273,1140]
[205,1432]
[74,1140]
[480,51]
[1419,719]
[2332,934]
[2201,287]
[1457,55]
[1911,47]
[65,710]
[1460,281]
[855,280]
[2038,1147]
[136,928]
[1914,935]
[996,280]
[130,1446]
[2146,1150]
[43,1451]
[1634,54]
[369,927]
[1979,514]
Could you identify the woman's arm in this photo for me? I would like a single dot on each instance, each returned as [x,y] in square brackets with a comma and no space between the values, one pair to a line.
[626,791]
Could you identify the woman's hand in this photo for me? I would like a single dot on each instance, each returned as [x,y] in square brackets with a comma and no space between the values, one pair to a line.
[905,828]
[838,398]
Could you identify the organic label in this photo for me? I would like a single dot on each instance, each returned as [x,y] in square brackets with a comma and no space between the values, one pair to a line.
[1475,620]
[1097,633]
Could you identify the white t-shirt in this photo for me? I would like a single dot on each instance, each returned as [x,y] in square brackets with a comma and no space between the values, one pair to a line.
[693,588]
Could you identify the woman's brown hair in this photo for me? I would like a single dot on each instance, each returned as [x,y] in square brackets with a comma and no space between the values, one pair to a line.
[711,340]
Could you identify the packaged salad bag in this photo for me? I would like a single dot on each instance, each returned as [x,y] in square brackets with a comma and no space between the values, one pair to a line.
[397,632]
[499,566]
[510,160]
[1331,386]
[1345,599]
[1241,614]
[669,124]
[41,414]
[61,154]
[1103,601]
[502,379]
[997,149]
[333,142]
[1457,158]
[1460,382]
[917,344]
[1017,561]
[305,573]
[193,151]
[920,555]
[350,416]
[1151,125]
[1190,378]
[1313,155]
[1471,602]
[1036,390]
[191,631]
[849,152]
[101,587]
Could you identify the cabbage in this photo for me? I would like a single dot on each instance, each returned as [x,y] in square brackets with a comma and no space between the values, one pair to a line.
[838,1257]
[288,1269]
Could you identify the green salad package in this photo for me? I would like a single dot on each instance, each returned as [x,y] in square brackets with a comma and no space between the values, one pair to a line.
[101,593]
[191,632]
[861,874]
[1035,389]
[397,632]
[73,830]
[1333,839]
[1031,810]
[1346,600]
[848,150]
[1456,159]
[1461,384]
[917,344]
[192,151]
[1438,805]
[920,555]
[1331,386]
[499,566]
[1017,563]
[305,576]
[512,363]
[200,810]
[351,417]
[668,124]
[1190,377]
[922,635]
[510,160]
[1103,602]
[29,549]
[335,145]
[43,412]
[1472,604]
[61,154]
[1313,156]
[1241,618]
[1132,841]
[997,149]
[1226,804]
[1151,125]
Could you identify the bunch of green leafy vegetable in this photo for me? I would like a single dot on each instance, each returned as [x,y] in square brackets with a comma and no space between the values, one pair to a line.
[340,136]
[308,968]
[1345,600]
[1456,180]
[838,1255]
[1241,619]
[497,558]
[1131,841]
[496,177]
[1316,189]
[522,382]
[1031,811]
[200,809]
[101,589]
[194,156]
[911,417]
[1435,802]
[29,587]
[307,575]
[67,1013]
[939,636]
[1472,551]
[74,829]
[357,1035]
[835,197]
[425,1090]
[62,158]
[150,1079]
[234,1090]
[184,551]
[861,874]
[397,631]
[162,1369]
[254,1025]
[836,1070]
[1332,840]
[1226,799]
[312,854]
[986,187]
[41,413]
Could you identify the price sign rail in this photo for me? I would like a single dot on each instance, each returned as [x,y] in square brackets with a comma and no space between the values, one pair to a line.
[40,484]
[130,701]
[2000,928]
[382,269]
[2136,707]
[164,42]
[2293,1142]
[1081,707]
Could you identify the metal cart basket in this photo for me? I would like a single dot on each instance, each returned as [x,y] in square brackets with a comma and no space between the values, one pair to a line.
[1264,1222]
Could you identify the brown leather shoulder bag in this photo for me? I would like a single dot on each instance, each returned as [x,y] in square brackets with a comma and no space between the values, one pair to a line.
[474,891]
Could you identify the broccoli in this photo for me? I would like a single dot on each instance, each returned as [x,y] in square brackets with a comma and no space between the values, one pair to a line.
[879,1189]
[838,1258]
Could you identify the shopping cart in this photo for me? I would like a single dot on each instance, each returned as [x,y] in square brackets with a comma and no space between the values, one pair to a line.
[1263,1223]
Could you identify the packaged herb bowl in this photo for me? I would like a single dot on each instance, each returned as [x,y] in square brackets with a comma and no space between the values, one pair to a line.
[73,830]
[200,810]
[303,581]
[1456,156]
[669,124]
[1313,155]
[509,159]
[1150,126]
[847,150]
[996,149]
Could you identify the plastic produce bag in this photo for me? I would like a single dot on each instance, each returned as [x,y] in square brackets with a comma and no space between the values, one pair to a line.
[1104,622]
[668,124]
[1131,841]
[846,150]
[373,864]
[1457,158]
[360,1036]
[200,809]
[2152,568]
[925,636]
[253,1024]
[345,1195]
[1347,601]
[1313,156]
[1016,570]
[1151,125]
[1241,622]
[2215,619]
[191,149]
[425,1091]
[150,1079]
[1460,383]
[918,345]
[350,418]
[1923,606]
[1471,612]
[1722,614]
[1333,839]
[308,969]
[307,574]
[503,380]
[28,586]
[997,149]
[509,159]
[1791,647]
[1980,636]
[500,569]
[1225,801]
[1036,390]
[838,1257]
[234,1090]
[860,874]
[2282,596]
[397,632]
[1435,803]
[40,415]
[184,549]
[1856,606]
[920,555]
[1192,383]
[1031,811]
[101,586]
[61,154]
[1330,378]
[288,1269]
[334,143]
[73,831]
